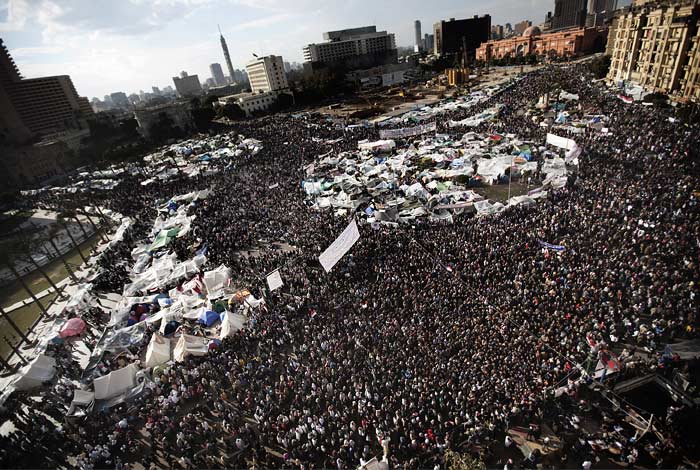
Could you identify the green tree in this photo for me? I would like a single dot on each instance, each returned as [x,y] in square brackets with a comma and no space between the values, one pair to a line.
[456,461]
[600,66]
[231,111]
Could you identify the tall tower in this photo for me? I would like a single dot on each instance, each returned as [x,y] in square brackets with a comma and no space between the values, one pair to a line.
[417,45]
[226,54]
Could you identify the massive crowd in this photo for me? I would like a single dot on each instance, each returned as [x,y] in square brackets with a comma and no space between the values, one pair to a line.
[424,339]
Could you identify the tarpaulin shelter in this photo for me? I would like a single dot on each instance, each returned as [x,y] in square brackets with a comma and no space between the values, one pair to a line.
[208,317]
[170,327]
[73,327]
[40,370]
[189,345]
[216,280]
[158,351]
[115,383]
[163,238]
[231,323]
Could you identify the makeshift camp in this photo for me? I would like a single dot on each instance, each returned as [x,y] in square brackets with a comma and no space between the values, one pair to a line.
[115,383]
[216,280]
[207,317]
[158,351]
[81,300]
[189,345]
[231,323]
[163,238]
[82,403]
[73,327]
[40,370]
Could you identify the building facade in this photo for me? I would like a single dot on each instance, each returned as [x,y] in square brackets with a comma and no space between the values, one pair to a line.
[461,36]
[654,45]
[267,74]
[600,11]
[569,14]
[567,43]
[520,28]
[217,74]
[187,85]
[39,117]
[251,102]
[362,47]
[178,113]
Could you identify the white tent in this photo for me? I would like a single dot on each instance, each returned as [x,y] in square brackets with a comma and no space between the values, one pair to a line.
[158,351]
[40,370]
[216,280]
[115,383]
[190,346]
[232,323]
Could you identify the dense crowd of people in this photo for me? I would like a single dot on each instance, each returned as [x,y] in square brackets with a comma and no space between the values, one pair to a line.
[424,339]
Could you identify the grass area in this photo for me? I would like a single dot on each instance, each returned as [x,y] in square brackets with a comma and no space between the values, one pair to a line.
[13,293]
[24,318]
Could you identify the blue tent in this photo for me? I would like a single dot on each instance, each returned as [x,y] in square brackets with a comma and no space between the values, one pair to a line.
[208,318]
[171,327]
[162,295]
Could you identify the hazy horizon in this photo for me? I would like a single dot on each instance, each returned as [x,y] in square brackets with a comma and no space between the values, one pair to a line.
[131,45]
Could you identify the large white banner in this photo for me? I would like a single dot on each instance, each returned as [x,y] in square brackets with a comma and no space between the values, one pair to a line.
[274,280]
[340,246]
[561,142]
[407,131]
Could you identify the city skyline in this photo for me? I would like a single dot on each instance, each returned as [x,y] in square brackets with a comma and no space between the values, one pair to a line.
[133,45]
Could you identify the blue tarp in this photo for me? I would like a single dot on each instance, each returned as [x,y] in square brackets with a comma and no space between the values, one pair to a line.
[208,318]
[171,327]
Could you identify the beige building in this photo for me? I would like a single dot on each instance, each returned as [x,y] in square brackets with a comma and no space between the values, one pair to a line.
[267,74]
[653,44]
[251,102]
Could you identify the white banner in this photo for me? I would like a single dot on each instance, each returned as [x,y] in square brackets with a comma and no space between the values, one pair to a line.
[274,281]
[561,142]
[340,246]
[407,131]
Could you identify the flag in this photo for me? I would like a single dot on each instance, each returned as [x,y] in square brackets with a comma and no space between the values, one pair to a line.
[312,312]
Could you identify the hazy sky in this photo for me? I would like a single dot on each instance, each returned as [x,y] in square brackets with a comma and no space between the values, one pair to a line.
[131,45]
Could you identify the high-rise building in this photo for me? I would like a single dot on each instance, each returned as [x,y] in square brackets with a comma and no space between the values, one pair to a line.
[267,74]
[569,14]
[417,44]
[354,48]
[461,36]
[227,56]
[187,85]
[119,99]
[428,42]
[156,90]
[217,74]
[520,28]
[599,11]
[40,120]
[655,44]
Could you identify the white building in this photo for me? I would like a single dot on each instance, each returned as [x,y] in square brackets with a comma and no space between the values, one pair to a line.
[349,42]
[251,102]
[267,74]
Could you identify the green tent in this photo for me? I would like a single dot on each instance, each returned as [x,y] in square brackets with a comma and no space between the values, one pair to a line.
[163,238]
